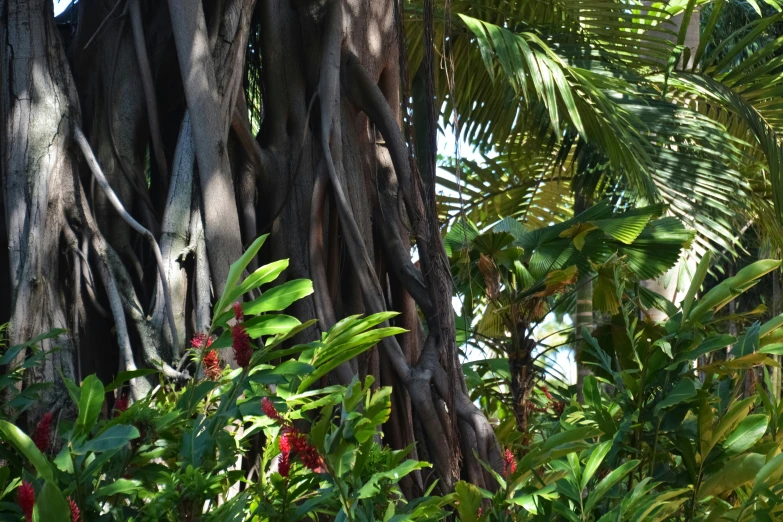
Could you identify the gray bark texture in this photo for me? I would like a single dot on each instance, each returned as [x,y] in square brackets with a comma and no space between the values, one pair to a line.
[167,182]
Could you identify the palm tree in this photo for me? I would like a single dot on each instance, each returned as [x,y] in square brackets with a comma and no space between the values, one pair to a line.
[607,100]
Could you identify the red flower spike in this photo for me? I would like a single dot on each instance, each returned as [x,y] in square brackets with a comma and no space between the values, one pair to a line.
[270,410]
[25,497]
[43,432]
[239,314]
[75,514]
[242,349]
[120,404]
[287,440]
[212,365]
[200,340]
[284,465]
[310,458]
[546,392]
[511,464]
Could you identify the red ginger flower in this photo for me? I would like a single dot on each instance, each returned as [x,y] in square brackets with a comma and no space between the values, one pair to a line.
[511,464]
[211,365]
[25,497]
[293,443]
[43,432]
[310,458]
[200,340]
[287,439]
[284,464]
[239,314]
[270,410]
[75,513]
[120,404]
[242,349]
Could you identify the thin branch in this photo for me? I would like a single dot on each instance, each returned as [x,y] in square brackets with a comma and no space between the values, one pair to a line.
[81,140]
[89,284]
[149,90]
[127,362]
[367,96]
[105,20]
[73,244]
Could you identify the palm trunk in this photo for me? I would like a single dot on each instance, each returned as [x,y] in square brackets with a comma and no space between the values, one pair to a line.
[584,309]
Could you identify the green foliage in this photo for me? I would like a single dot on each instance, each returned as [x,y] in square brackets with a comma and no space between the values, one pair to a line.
[208,449]
[510,278]
[668,428]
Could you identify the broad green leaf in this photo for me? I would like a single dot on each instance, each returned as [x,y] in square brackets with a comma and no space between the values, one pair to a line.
[26,446]
[468,501]
[696,282]
[90,403]
[569,436]
[709,345]
[119,486]
[769,475]
[124,377]
[372,486]
[747,433]
[279,297]
[273,324]
[262,275]
[748,342]
[114,437]
[771,325]
[63,460]
[683,391]
[51,506]
[235,271]
[11,353]
[603,487]
[591,392]
[730,420]
[73,391]
[726,291]
[594,462]
[734,473]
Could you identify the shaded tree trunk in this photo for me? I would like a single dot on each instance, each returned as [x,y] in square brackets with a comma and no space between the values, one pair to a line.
[584,308]
[329,174]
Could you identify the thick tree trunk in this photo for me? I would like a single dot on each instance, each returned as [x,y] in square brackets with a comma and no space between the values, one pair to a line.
[329,174]
[39,104]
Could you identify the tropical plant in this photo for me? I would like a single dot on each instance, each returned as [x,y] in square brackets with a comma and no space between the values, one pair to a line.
[141,180]
[667,429]
[604,100]
[231,444]
[511,278]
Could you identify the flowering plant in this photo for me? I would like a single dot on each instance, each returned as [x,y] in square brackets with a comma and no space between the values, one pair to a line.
[257,442]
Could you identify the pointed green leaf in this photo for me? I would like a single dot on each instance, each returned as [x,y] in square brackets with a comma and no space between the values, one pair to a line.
[90,403]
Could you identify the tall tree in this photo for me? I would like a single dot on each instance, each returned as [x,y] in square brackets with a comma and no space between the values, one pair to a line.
[128,254]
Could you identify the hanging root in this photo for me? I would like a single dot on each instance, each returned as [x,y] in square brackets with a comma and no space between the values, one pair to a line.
[416,381]
[203,293]
[127,363]
[89,284]
[81,140]
[365,94]
[323,305]
[149,90]
[73,244]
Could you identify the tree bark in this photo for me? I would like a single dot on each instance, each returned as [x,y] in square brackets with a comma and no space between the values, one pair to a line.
[330,175]
[584,309]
